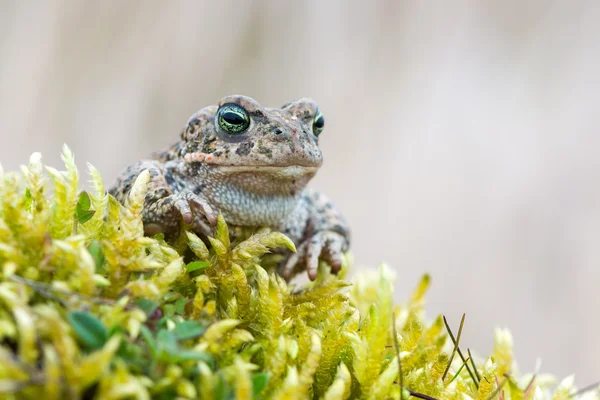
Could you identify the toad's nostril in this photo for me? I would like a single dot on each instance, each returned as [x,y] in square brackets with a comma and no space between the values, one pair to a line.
[278,131]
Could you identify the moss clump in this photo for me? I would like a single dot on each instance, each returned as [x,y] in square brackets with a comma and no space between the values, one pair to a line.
[91,308]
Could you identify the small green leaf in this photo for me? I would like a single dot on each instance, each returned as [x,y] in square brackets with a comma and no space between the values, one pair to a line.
[180,306]
[95,249]
[115,330]
[147,335]
[166,341]
[84,210]
[191,355]
[188,330]
[84,201]
[131,352]
[223,391]
[168,310]
[169,352]
[197,265]
[148,306]
[85,216]
[259,382]
[89,329]
[170,297]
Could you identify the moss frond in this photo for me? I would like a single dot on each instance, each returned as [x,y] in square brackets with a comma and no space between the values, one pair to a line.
[92,308]
[92,229]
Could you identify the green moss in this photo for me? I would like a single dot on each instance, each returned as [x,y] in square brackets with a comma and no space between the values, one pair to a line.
[90,307]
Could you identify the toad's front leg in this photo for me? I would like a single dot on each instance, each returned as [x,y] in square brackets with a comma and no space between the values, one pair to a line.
[165,207]
[325,234]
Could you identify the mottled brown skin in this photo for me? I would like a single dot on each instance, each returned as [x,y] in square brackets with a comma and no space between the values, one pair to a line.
[255,178]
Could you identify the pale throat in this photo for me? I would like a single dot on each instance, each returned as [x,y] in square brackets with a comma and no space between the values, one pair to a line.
[256,197]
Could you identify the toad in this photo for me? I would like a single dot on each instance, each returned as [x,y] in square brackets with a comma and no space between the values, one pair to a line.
[252,164]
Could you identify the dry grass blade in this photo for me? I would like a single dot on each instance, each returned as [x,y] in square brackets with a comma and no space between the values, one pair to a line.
[453,341]
[474,366]
[457,349]
[457,372]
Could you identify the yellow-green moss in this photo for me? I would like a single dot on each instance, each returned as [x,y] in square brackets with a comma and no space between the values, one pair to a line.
[90,307]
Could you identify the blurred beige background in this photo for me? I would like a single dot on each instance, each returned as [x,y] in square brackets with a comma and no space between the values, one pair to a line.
[461,138]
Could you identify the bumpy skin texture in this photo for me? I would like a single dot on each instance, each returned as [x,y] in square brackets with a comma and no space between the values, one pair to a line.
[256,177]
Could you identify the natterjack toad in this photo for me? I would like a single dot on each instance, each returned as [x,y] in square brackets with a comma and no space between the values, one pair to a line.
[252,164]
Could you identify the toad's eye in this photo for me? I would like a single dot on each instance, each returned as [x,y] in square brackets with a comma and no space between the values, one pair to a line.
[233,119]
[318,123]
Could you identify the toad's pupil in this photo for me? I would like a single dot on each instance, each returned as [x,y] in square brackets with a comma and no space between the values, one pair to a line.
[233,118]
[320,122]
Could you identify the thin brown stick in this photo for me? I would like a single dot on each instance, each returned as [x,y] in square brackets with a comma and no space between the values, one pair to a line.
[397,346]
[498,389]
[420,395]
[50,292]
[13,386]
[586,389]
[529,386]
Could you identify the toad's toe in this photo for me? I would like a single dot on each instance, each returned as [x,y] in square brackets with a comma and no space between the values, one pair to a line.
[333,253]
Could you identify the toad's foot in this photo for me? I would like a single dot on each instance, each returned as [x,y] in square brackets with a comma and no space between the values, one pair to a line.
[159,216]
[327,245]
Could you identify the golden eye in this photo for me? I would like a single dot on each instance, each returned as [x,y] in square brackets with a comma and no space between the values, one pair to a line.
[233,119]
[318,123]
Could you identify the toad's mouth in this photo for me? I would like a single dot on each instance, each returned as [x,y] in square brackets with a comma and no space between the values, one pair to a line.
[294,168]
[288,171]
